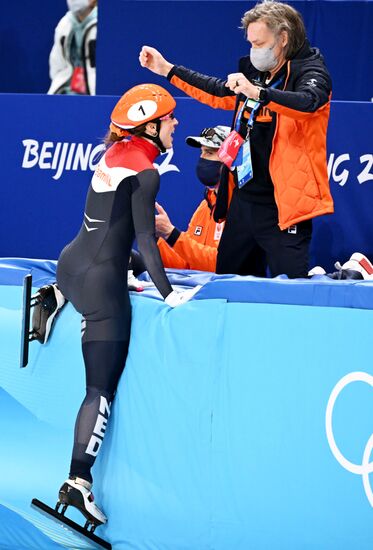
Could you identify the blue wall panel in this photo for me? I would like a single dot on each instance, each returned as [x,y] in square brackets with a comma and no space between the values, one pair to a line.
[26,38]
[205,36]
[50,144]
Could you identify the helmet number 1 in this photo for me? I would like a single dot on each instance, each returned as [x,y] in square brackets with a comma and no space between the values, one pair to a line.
[142,110]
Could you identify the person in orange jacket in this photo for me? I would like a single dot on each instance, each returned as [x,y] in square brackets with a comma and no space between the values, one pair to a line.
[196,248]
[281,98]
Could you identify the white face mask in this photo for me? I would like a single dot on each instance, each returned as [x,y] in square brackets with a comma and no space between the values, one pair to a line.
[77,5]
[263,59]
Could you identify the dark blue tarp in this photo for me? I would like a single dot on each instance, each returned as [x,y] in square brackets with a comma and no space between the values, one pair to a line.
[320,290]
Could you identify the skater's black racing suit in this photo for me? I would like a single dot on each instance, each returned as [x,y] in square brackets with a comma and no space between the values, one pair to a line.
[92,274]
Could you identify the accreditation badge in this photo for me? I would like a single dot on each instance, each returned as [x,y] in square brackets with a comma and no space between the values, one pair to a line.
[243,164]
[218,231]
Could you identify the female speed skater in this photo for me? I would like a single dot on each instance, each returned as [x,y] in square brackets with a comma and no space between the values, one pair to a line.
[92,269]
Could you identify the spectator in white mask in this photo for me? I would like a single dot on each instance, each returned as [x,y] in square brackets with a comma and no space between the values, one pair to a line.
[72,61]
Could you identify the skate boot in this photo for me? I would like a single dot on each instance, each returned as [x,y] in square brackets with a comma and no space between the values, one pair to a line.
[357,267]
[49,300]
[77,492]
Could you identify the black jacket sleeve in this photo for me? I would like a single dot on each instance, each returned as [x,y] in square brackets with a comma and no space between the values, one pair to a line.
[311,91]
[144,190]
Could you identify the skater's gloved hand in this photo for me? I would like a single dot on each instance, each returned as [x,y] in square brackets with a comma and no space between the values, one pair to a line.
[177,298]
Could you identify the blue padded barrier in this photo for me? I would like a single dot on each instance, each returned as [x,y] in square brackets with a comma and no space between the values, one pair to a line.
[218,435]
[320,290]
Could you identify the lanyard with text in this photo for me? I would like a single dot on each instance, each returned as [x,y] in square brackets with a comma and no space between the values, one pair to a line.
[255,105]
[243,162]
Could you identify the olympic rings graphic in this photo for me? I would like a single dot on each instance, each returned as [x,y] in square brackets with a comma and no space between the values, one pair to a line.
[366,467]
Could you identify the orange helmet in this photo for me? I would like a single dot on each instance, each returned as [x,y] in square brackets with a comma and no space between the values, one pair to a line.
[142,104]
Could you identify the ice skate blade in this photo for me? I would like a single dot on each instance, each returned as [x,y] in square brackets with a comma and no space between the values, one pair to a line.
[26,307]
[29,302]
[75,527]
[27,334]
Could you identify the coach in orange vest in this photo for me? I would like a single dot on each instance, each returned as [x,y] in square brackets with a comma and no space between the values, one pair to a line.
[196,248]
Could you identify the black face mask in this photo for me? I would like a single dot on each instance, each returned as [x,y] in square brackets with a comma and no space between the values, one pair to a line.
[208,171]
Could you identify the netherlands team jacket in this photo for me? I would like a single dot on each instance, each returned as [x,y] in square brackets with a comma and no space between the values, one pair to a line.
[298,163]
[195,248]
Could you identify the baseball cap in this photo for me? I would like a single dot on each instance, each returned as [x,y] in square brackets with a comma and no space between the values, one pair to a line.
[209,137]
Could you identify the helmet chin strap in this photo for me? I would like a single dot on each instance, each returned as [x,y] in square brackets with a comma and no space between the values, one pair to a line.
[156,138]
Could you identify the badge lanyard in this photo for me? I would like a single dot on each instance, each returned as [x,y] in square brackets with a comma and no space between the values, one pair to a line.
[243,162]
